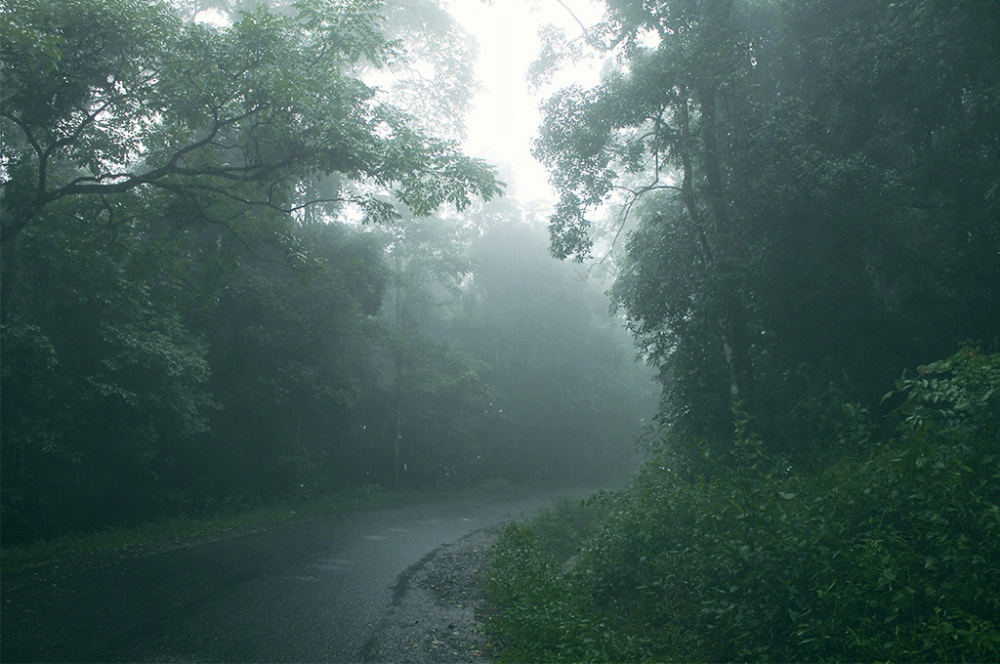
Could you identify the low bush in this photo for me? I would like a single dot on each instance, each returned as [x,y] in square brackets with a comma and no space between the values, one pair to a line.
[891,556]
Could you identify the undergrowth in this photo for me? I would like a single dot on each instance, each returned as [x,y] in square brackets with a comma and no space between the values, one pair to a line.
[893,555]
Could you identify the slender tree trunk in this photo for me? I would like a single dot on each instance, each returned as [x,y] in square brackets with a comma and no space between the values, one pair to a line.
[732,315]
[733,319]
[713,171]
[737,341]
[400,361]
[687,186]
[398,434]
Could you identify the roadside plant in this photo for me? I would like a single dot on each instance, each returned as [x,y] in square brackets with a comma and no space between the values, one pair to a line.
[884,556]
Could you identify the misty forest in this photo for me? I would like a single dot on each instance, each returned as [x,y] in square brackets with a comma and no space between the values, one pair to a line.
[248,261]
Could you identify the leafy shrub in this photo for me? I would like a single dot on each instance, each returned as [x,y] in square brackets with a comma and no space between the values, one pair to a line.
[539,612]
[893,556]
[960,394]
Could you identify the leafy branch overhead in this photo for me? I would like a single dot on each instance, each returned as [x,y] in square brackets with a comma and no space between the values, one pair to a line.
[104,98]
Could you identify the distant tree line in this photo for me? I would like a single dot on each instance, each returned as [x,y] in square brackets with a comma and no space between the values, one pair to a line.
[186,325]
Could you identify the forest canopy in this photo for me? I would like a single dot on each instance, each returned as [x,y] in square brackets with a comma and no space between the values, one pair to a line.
[196,313]
[105,99]
[811,193]
[245,261]
[808,199]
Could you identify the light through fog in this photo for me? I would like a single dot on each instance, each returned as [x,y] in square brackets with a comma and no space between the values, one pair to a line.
[505,116]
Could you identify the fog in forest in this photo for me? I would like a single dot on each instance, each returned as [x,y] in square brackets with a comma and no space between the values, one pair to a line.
[737,260]
[245,261]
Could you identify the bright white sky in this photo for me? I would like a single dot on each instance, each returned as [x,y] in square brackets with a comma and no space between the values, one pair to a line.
[505,116]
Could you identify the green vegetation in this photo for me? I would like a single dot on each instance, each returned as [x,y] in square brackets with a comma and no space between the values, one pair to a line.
[798,197]
[890,555]
[809,196]
[194,314]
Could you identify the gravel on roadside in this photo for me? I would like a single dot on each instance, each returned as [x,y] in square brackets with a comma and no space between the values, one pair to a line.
[435,615]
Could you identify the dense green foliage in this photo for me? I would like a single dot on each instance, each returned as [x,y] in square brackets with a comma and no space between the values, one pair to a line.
[812,192]
[193,318]
[890,556]
[809,192]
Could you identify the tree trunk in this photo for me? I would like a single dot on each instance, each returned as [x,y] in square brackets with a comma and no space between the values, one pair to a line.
[399,362]
[398,434]
[732,317]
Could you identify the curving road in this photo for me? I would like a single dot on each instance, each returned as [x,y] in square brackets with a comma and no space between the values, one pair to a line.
[309,592]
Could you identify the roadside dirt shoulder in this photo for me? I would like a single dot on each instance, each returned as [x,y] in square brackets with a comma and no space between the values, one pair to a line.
[435,615]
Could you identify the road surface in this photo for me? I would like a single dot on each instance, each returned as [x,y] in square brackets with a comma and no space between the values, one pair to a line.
[307,592]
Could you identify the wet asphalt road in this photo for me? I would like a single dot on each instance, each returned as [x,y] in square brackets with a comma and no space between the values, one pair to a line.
[309,592]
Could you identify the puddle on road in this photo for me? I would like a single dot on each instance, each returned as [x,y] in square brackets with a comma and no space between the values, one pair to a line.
[307,579]
[330,565]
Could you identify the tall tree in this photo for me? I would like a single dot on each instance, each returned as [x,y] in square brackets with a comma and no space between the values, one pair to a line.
[295,359]
[660,118]
[145,158]
[104,381]
[435,386]
[109,99]
[795,229]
